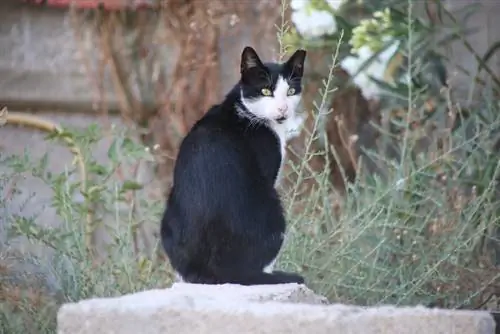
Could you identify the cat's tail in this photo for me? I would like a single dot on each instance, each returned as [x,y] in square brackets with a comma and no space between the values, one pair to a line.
[276,277]
[256,278]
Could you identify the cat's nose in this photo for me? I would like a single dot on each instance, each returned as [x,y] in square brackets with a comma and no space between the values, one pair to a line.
[283,109]
[283,114]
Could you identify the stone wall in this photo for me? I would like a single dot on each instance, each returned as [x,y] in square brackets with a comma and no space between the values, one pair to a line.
[41,65]
[38,58]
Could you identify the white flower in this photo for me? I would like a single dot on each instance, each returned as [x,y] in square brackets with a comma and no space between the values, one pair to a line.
[376,69]
[302,4]
[299,4]
[335,4]
[311,23]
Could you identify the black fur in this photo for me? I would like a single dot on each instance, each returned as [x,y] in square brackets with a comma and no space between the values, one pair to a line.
[255,75]
[223,221]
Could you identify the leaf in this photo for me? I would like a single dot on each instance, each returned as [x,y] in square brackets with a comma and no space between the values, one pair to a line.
[456,34]
[488,54]
[59,134]
[128,144]
[131,185]
[343,24]
[93,191]
[400,91]
[440,13]
[98,169]
[41,167]
[112,151]
[466,12]
[372,58]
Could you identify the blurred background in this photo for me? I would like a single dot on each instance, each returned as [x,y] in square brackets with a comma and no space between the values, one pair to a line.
[391,190]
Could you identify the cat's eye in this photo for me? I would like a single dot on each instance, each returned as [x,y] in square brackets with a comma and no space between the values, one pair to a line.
[291,91]
[266,92]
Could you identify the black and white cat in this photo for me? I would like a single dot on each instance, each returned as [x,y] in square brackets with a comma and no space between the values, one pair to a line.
[224,221]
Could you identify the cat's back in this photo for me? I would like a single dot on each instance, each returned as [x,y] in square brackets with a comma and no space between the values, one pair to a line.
[214,145]
[221,126]
[223,145]
[216,130]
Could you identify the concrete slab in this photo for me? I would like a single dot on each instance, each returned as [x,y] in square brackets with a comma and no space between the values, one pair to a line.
[229,309]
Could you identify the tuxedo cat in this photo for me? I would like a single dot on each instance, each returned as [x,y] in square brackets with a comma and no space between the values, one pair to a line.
[224,221]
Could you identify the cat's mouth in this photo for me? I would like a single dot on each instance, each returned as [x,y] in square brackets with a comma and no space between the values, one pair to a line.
[281,119]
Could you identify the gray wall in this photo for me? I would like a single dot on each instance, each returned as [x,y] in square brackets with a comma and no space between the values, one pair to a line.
[39,61]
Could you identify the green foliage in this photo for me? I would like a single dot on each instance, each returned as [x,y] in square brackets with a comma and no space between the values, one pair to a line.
[77,272]
[413,238]
[422,229]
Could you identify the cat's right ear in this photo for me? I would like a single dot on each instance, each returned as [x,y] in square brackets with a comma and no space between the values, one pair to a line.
[295,63]
[249,60]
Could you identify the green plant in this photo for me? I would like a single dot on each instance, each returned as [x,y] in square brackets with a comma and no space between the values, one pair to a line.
[422,227]
[74,267]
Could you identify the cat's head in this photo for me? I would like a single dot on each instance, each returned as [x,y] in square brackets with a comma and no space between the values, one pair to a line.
[271,91]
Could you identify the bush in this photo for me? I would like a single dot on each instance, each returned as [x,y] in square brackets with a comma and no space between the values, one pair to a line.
[422,226]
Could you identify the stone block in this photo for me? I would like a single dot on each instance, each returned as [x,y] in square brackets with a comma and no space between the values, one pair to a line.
[229,309]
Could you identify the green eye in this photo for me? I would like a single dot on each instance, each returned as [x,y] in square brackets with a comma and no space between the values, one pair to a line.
[266,92]
[291,91]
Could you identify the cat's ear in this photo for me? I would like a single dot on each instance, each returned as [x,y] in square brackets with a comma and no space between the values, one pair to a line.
[249,60]
[295,64]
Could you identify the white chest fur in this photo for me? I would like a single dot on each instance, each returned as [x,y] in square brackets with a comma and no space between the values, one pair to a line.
[286,131]
[281,103]
[281,131]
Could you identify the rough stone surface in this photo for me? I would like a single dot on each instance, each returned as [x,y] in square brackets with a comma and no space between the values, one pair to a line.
[233,309]
[289,293]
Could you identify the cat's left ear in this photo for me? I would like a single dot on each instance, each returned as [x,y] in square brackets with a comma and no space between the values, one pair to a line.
[249,60]
[295,64]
